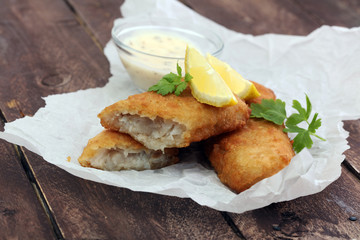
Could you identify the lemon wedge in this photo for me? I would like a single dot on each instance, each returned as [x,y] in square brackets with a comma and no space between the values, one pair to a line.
[207,86]
[241,87]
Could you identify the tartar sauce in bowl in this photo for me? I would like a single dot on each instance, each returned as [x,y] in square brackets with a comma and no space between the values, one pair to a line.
[150,50]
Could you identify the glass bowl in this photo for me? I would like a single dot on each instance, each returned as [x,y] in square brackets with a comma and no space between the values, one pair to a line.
[151,48]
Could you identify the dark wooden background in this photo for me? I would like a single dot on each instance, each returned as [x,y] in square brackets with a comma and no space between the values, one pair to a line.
[55,46]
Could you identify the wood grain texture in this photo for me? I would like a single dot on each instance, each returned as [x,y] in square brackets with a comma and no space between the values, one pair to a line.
[296,17]
[21,214]
[321,216]
[98,16]
[52,46]
[332,12]
[89,210]
[82,209]
[353,154]
[44,50]
[256,17]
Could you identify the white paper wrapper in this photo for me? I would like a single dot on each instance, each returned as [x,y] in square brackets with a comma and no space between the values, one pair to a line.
[324,65]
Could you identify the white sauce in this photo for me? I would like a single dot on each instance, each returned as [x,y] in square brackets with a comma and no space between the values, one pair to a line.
[146,70]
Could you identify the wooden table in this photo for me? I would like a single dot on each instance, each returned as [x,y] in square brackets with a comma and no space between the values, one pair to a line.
[55,46]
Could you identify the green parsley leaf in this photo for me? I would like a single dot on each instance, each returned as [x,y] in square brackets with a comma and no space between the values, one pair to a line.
[308,107]
[171,77]
[301,141]
[274,111]
[179,70]
[314,124]
[172,83]
[269,109]
[188,77]
[163,87]
[180,88]
[294,119]
[294,129]
[299,108]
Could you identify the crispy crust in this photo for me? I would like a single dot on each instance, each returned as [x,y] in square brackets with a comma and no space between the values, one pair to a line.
[245,156]
[248,155]
[201,121]
[108,139]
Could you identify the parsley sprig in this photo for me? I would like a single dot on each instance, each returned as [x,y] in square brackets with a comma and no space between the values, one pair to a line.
[274,111]
[172,83]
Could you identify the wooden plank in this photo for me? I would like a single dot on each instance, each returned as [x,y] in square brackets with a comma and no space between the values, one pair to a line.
[256,17]
[88,210]
[44,50]
[332,12]
[54,54]
[21,213]
[321,216]
[98,16]
[121,209]
[353,154]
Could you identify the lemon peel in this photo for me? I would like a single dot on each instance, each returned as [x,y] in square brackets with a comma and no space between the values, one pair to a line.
[207,86]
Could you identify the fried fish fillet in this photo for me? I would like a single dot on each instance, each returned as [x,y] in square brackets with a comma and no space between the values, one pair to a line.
[113,151]
[170,121]
[248,155]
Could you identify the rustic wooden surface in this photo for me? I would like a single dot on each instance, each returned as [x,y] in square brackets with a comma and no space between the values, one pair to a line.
[55,46]
[21,215]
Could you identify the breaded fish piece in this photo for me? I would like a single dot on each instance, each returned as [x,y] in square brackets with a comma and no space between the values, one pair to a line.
[248,155]
[114,151]
[171,121]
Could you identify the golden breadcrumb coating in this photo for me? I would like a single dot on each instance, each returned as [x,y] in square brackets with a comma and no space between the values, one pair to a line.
[110,150]
[248,155]
[187,119]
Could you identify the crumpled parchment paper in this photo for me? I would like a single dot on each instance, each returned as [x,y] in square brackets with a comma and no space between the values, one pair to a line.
[324,65]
